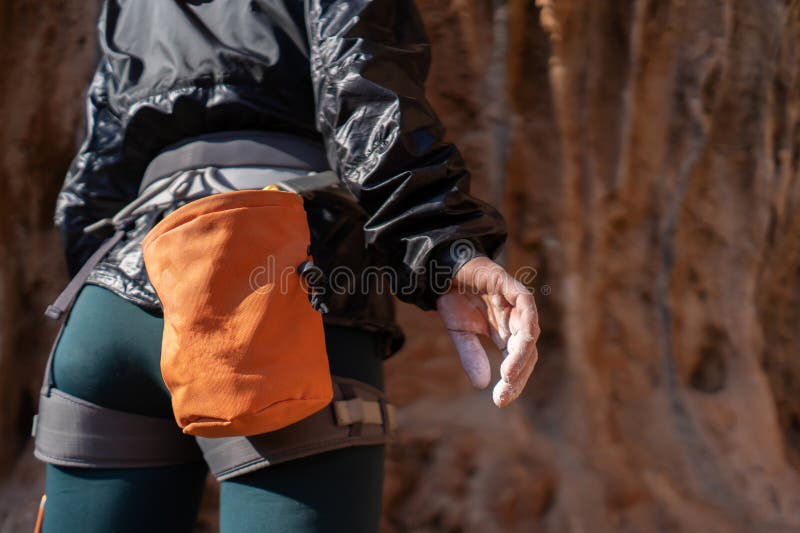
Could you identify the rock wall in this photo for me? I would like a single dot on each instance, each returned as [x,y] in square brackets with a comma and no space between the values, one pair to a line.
[645,154]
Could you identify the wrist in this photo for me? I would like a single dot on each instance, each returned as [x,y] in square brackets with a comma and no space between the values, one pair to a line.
[450,259]
[477,273]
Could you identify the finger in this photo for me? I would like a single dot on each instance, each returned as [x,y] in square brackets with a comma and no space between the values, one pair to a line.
[498,337]
[473,358]
[498,313]
[520,348]
[501,310]
[504,393]
[522,343]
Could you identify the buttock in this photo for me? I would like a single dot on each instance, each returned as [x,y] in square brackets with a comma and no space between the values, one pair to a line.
[109,353]
[105,405]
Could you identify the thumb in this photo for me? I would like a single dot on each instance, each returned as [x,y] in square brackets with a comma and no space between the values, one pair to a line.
[473,357]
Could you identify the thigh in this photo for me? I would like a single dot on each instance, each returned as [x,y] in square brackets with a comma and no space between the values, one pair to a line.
[86,500]
[109,354]
[333,491]
[329,492]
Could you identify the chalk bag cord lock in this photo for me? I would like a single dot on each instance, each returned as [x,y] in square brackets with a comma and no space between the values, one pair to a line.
[315,280]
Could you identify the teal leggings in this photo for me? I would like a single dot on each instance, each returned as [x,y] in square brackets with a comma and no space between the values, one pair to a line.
[109,354]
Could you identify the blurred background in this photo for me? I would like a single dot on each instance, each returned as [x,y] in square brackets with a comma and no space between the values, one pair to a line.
[645,154]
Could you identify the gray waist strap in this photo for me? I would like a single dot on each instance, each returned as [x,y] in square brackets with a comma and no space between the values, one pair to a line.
[237,149]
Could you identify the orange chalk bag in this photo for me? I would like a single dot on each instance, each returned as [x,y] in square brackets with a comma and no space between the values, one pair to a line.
[243,349]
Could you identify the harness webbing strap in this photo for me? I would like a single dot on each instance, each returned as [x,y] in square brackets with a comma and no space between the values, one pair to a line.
[67,296]
[73,432]
[232,456]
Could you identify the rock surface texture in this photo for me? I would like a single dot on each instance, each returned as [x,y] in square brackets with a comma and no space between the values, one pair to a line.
[646,156]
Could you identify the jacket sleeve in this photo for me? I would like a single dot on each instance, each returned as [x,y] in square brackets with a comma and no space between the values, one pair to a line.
[92,189]
[369,61]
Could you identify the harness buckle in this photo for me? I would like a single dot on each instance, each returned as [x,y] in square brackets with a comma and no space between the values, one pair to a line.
[356,410]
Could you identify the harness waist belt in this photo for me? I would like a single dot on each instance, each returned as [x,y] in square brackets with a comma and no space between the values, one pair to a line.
[241,159]
[239,149]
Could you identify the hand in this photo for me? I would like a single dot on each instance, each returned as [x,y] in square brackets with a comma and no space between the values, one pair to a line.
[486,300]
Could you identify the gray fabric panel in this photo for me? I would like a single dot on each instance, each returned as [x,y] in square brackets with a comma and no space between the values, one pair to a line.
[74,432]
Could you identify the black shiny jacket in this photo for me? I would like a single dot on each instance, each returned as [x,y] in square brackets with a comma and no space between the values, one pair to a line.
[349,74]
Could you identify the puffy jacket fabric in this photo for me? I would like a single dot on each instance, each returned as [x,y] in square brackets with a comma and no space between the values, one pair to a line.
[347,74]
